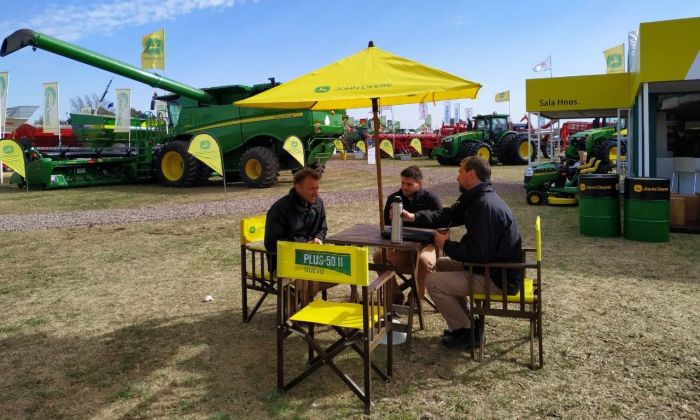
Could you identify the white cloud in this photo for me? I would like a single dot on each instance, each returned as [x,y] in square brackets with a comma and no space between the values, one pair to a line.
[75,21]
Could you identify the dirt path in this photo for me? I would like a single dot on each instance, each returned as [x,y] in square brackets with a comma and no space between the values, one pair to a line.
[70,219]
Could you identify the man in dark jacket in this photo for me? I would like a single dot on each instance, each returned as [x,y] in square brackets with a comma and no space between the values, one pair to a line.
[414,198]
[298,216]
[492,236]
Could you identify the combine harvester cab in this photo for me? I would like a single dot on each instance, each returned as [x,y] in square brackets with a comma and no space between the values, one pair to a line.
[253,142]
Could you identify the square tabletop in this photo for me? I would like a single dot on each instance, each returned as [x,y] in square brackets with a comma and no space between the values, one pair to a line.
[364,234]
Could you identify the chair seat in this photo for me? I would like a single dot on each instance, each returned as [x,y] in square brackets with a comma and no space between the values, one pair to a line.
[529,297]
[339,314]
[265,274]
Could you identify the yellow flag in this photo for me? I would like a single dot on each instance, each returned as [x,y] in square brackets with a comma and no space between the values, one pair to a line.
[338,145]
[386,146]
[615,59]
[361,145]
[295,148]
[416,144]
[11,155]
[206,148]
[503,96]
[153,54]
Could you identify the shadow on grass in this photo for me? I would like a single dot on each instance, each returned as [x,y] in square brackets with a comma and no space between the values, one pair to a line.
[210,365]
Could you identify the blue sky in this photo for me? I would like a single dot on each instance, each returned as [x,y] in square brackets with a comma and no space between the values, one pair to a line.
[221,42]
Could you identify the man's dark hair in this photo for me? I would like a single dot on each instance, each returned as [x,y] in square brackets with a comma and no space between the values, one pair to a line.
[480,165]
[301,175]
[413,172]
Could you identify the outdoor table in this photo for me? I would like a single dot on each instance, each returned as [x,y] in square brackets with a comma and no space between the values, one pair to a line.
[370,235]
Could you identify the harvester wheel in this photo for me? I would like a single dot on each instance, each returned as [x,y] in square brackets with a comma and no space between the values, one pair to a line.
[535,198]
[176,167]
[260,167]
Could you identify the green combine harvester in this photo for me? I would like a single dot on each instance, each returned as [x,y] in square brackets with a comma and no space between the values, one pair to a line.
[490,140]
[252,140]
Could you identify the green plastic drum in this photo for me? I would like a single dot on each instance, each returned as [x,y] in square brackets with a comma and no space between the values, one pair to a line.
[647,209]
[599,205]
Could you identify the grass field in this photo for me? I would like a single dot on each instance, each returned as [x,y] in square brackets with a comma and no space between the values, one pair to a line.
[108,321]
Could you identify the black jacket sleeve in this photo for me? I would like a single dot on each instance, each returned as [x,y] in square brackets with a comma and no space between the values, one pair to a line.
[275,226]
[434,218]
[322,226]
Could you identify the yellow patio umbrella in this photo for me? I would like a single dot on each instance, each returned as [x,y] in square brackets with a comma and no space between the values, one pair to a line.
[369,78]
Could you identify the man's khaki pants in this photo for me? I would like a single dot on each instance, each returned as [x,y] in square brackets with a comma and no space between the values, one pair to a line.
[401,259]
[448,286]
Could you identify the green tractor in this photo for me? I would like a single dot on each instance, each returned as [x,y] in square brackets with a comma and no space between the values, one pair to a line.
[490,140]
[599,143]
[556,183]
[252,141]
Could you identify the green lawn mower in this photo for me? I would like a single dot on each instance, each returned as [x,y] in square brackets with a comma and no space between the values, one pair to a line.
[555,183]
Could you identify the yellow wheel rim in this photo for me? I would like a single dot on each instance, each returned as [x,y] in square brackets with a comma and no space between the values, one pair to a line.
[253,169]
[535,199]
[612,154]
[524,150]
[172,166]
[483,153]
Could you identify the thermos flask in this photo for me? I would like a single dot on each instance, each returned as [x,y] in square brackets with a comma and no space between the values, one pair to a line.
[396,221]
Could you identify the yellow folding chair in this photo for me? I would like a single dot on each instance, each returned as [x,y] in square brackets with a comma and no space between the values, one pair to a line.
[360,326]
[254,268]
[526,304]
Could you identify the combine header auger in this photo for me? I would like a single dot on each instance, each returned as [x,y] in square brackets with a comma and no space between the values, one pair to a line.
[251,139]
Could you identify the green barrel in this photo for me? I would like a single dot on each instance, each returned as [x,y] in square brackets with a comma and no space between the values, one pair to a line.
[647,209]
[599,205]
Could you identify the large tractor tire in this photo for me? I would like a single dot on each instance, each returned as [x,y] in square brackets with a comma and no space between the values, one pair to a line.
[176,167]
[260,167]
[546,149]
[520,149]
[445,161]
[608,154]
[483,150]
[506,147]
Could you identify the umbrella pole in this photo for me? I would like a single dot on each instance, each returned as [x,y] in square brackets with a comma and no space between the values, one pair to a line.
[378,158]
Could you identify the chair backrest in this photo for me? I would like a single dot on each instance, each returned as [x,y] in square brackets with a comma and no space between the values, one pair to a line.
[538,239]
[253,229]
[328,263]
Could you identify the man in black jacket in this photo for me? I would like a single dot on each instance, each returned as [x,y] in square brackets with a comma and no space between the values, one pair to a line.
[414,198]
[492,236]
[297,217]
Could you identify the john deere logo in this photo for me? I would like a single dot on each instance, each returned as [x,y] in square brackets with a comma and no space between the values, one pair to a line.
[205,145]
[8,149]
[153,46]
[252,229]
[638,188]
[317,262]
[583,187]
[614,61]
[322,89]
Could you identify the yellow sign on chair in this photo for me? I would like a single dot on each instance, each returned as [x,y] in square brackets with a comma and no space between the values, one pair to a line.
[328,263]
[253,229]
